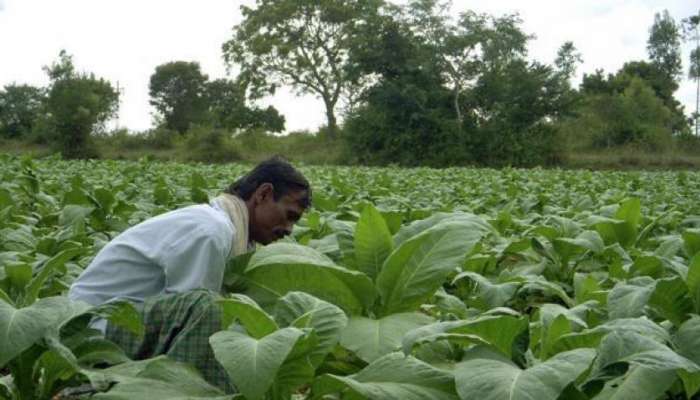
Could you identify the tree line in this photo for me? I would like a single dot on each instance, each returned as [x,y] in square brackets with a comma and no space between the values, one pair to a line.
[412,84]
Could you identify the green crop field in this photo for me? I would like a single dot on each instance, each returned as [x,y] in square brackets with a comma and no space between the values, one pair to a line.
[397,284]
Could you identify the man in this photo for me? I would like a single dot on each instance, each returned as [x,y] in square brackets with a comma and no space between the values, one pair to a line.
[171,266]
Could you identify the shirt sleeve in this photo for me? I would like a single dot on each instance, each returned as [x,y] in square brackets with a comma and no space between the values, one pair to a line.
[195,261]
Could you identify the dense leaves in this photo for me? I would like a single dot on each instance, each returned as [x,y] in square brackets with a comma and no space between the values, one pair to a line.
[455,283]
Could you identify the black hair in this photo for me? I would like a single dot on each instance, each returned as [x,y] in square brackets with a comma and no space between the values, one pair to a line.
[278,172]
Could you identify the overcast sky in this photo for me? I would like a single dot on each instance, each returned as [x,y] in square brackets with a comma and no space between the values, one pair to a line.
[124,40]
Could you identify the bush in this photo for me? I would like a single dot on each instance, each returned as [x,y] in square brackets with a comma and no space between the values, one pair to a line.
[206,144]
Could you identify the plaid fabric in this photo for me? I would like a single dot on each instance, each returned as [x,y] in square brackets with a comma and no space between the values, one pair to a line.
[178,325]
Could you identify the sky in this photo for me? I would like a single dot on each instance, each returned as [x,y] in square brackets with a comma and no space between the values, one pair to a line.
[124,40]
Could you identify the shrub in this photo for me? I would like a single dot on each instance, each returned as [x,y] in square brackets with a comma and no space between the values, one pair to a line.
[206,144]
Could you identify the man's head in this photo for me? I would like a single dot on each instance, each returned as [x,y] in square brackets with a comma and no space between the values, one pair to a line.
[276,195]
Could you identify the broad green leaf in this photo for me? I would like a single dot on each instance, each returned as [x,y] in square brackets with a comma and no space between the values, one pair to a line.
[687,344]
[20,328]
[630,212]
[639,384]
[418,227]
[297,370]
[577,340]
[301,310]
[499,331]
[491,294]
[559,327]
[591,338]
[539,283]
[240,307]
[122,314]
[19,274]
[693,280]
[53,367]
[586,287]
[647,266]
[97,350]
[691,239]
[615,231]
[671,299]
[499,379]
[154,379]
[371,339]
[373,242]
[279,268]
[105,198]
[635,349]
[642,326]
[47,270]
[253,364]
[392,377]
[628,299]
[585,241]
[577,314]
[415,270]
[73,213]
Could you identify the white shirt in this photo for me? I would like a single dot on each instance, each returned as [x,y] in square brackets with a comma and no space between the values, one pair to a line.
[177,251]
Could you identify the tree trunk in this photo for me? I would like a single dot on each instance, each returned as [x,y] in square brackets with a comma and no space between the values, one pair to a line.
[697,102]
[332,122]
[460,119]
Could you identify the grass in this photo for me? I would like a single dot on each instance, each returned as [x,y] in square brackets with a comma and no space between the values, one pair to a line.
[310,149]
[630,158]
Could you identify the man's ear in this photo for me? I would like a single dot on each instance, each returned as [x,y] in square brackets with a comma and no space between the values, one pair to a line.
[263,192]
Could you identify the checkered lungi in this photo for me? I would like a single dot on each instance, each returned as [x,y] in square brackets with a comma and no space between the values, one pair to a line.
[178,325]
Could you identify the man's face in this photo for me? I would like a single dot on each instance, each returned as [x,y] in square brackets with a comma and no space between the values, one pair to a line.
[272,220]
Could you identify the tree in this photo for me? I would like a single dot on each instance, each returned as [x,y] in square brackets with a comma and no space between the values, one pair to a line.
[20,108]
[694,73]
[515,107]
[408,107]
[465,47]
[227,108]
[664,45]
[567,59]
[622,109]
[78,104]
[178,92]
[691,31]
[300,43]
[660,82]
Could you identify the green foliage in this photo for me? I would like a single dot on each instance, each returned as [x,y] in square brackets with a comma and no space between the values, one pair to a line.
[566,284]
[664,45]
[210,145]
[228,110]
[178,92]
[634,115]
[567,58]
[425,63]
[79,104]
[20,108]
[303,44]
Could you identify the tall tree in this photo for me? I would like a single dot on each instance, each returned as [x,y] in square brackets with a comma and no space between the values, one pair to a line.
[691,30]
[228,109]
[568,57]
[300,43]
[178,92]
[20,107]
[664,45]
[78,104]
[467,46]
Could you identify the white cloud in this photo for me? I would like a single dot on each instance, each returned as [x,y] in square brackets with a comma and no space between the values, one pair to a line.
[125,40]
